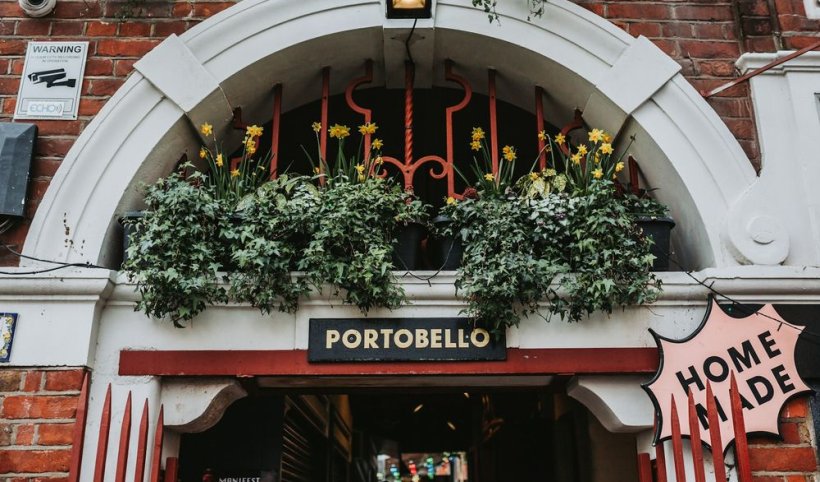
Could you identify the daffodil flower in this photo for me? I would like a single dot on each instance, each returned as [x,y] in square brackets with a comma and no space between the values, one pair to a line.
[560,139]
[206,129]
[475,145]
[235,173]
[509,153]
[488,177]
[376,144]
[478,133]
[339,131]
[219,160]
[451,200]
[542,136]
[254,131]
[597,173]
[619,167]
[595,135]
[317,127]
[582,149]
[202,153]
[606,148]
[368,128]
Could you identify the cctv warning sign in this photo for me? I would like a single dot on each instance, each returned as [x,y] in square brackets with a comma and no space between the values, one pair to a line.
[52,79]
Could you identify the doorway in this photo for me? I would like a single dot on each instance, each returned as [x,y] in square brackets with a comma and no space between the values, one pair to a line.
[415,433]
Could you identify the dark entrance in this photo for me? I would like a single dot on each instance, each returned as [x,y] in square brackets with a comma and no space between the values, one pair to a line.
[411,435]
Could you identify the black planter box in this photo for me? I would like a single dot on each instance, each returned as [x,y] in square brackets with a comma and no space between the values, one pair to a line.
[445,251]
[407,251]
[659,230]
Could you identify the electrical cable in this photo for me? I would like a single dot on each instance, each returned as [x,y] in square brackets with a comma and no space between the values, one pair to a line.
[60,264]
[407,42]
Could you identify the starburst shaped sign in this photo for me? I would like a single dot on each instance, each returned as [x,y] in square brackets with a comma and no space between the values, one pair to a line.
[758,350]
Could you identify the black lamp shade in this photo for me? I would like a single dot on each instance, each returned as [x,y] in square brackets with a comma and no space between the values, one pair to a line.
[409,8]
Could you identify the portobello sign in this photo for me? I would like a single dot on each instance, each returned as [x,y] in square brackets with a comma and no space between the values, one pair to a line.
[401,339]
[758,350]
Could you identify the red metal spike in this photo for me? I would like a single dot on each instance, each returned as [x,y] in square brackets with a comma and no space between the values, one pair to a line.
[156,457]
[634,184]
[677,445]
[125,438]
[660,462]
[744,472]
[367,113]
[142,445]
[78,436]
[324,121]
[694,435]
[171,469]
[714,434]
[102,441]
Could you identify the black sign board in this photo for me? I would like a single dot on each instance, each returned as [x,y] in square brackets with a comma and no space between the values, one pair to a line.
[401,339]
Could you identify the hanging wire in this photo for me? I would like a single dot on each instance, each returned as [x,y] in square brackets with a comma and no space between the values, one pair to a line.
[60,264]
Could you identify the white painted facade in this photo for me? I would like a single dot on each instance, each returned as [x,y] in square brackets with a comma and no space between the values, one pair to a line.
[756,237]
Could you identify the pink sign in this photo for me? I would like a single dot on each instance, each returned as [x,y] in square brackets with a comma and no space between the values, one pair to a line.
[758,349]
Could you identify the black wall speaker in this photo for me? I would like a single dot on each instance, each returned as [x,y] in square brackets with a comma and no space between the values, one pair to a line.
[16,152]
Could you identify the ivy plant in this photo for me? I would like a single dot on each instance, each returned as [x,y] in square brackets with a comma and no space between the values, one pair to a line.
[178,247]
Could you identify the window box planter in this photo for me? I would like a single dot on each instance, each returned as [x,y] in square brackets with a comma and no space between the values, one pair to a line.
[445,251]
[659,230]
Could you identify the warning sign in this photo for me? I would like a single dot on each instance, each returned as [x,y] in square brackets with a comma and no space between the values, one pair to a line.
[52,79]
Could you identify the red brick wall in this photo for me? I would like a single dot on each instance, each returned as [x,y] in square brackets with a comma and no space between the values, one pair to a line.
[795,458]
[37,413]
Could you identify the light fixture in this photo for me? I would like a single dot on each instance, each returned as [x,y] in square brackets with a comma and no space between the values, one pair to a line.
[408,8]
[418,408]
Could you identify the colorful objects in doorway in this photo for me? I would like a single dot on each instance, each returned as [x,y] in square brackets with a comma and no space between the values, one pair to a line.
[757,351]
[7,323]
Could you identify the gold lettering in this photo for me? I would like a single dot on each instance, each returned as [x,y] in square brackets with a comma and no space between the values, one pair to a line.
[331,337]
[448,343]
[371,336]
[407,341]
[485,337]
[435,338]
[386,332]
[355,335]
[422,340]
[462,343]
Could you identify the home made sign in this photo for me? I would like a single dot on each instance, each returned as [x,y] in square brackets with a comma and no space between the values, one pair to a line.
[401,339]
[758,350]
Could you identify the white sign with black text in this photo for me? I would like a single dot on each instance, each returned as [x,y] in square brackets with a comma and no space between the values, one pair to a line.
[52,81]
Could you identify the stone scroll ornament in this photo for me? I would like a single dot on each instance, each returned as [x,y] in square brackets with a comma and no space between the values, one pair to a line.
[757,349]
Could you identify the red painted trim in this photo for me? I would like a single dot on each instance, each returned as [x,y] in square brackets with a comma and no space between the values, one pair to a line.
[294,363]
[697,447]
[156,457]
[493,120]
[644,468]
[125,436]
[677,445]
[409,75]
[275,128]
[744,471]
[468,94]
[714,434]
[171,469]
[660,462]
[367,113]
[142,445]
[539,119]
[324,131]
[79,432]
[102,441]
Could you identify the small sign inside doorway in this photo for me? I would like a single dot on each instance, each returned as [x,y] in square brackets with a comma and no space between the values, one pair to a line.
[401,339]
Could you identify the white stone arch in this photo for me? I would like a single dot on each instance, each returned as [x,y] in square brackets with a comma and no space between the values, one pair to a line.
[235,57]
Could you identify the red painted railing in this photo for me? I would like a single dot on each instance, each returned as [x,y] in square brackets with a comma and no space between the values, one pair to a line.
[124,456]
[646,473]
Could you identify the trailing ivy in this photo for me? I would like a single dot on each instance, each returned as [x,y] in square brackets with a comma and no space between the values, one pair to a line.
[178,248]
[276,225]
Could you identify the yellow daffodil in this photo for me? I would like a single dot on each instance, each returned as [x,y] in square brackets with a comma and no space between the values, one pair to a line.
[488,177]
[379,160]
[235,173]
[595,135]
[475,145]
[597,173]
[368,128]
[478,133]
[542,136]
[576,158]
[202,153]
[533,176]
[206,129]
[376,144]
[597,158]
[607,137]
[219,161]
[451,200]
[315,170]
[606,148]
[560,139]
[360,168]
[339,131]
[582,149]
[254,131]
[619,167]
[361,177]
[317,127]
[509,153]
[250,149]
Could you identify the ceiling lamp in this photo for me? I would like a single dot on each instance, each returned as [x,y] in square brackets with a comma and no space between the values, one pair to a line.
[408,8]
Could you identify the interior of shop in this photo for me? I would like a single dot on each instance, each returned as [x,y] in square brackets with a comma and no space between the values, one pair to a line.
[408,434]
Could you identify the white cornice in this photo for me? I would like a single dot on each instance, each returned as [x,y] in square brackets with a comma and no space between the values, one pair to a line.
[808,62]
